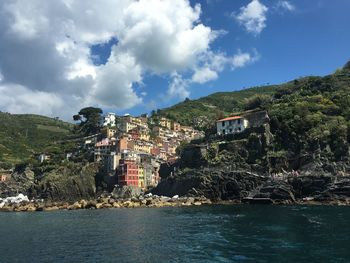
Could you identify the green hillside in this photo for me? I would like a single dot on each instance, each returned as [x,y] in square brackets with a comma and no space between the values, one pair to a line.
[214,106]
[309,116]
[21,135]
[217,105]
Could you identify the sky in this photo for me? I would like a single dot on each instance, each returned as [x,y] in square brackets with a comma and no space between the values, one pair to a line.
[134,56]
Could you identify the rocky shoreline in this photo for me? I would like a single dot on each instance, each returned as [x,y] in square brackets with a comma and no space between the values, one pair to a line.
[149,201]
[105,202]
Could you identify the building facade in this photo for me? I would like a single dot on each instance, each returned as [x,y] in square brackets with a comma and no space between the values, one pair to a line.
[109,120]
[231,125]
[128,173]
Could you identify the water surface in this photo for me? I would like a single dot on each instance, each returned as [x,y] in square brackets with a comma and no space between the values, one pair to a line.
[237,233]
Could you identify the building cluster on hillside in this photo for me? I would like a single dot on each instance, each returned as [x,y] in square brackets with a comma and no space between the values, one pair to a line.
[133,148]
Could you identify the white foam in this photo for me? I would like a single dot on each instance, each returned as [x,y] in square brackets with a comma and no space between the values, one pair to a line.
[14,200]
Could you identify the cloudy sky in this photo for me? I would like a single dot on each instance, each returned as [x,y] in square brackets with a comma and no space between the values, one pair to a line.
[134,56]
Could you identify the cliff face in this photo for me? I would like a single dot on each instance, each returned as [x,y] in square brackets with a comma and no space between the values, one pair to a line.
[21,180]
[245,166]
[59,184]
[215,184]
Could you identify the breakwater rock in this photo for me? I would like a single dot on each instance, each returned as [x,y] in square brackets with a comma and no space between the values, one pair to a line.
[148,200]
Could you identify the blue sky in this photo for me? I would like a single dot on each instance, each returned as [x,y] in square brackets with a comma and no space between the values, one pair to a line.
[314,39]
[130,56]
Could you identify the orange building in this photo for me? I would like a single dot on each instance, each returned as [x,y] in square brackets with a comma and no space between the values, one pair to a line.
[122,144]
[128,173]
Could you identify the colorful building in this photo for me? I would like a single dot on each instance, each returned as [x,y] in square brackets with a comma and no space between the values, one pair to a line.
[231,125]
[175,126]
[103,148]
[128,173]
[141,176]
[109,120]
[164,122]
[108,132]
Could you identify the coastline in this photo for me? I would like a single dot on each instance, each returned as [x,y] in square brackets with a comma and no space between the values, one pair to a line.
[147,202]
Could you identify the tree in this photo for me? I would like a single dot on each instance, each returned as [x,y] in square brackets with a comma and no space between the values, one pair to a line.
[90,118]
[256,102]
[76,117]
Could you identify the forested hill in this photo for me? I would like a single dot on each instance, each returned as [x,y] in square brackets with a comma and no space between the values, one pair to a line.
[308,116]
[21,135]
[216,105]
[203,111]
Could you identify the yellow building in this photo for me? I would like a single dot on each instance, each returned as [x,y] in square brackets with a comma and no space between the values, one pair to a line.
[175,126]
[144,135]
[108,132]
[128,123]
[164,122]
[141,176]
[159,131]
[141,146]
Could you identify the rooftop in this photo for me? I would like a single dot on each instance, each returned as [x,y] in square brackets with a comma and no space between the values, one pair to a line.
[231,118]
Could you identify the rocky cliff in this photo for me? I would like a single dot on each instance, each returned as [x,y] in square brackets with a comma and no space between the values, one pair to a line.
[245,167]
[58,184]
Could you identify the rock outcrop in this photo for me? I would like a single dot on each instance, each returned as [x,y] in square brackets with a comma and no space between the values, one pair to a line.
[215,185]
[20,181]
[276,191]
[58,184]
[67,184]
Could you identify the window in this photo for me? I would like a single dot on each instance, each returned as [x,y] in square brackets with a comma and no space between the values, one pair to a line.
[239,121]
[230,122]
[223,124]
[223,131]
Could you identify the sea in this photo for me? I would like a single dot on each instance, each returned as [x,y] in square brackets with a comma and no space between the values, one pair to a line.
[217,233]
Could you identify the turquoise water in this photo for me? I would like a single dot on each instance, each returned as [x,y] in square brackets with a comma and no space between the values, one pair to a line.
[190,234]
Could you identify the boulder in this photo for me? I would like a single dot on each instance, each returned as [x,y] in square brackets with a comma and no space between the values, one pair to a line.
[124,192]
[51,208]
[91,204]
[116,205]
[75,206]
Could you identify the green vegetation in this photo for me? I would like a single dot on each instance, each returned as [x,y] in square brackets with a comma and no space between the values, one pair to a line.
[313,116]
[202,112]
[309,116]
[22,135]
[90,119]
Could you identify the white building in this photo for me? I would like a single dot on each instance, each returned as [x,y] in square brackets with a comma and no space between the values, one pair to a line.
[231,125]
[109,120]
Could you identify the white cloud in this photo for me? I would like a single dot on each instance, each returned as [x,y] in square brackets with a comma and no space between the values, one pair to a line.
[18,99]
[203,75]
[283,6]
[114,82]
[45,52]
[243,59]
[178,87]
[252,17]
[216,63]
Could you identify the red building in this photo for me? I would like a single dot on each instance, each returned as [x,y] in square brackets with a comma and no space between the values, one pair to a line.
[135,134]
[128,173]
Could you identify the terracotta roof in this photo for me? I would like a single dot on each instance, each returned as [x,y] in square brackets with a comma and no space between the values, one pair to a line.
[231,118]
